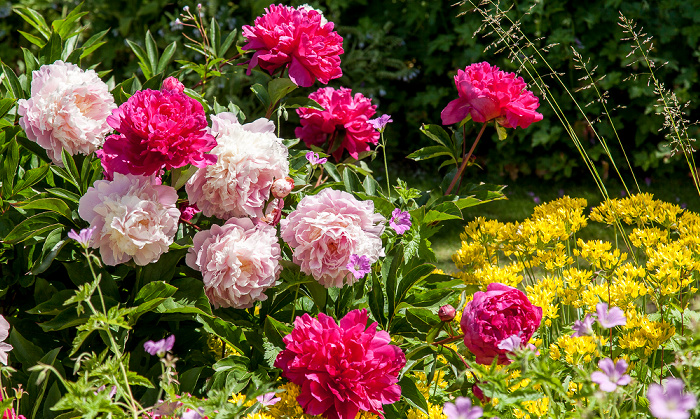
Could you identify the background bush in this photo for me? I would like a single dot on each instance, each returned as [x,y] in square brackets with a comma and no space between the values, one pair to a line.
[404,53]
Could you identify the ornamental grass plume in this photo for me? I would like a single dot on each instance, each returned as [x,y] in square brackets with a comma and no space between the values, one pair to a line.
[343,122]
[67,110]
[487,93]
[238,261]
[343,368]
[157,129]
[133,218]
[326,229]
[300,40]
[249,158]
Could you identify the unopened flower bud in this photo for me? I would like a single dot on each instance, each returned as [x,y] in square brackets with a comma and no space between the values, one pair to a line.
[173,84]
[447,313]
[282,187]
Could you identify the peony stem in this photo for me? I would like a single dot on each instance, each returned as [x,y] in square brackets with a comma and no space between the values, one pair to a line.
[465,160]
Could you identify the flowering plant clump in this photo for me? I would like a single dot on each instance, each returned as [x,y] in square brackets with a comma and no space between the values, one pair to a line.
[300,40]
[343,122]
[67,110]
[342,368]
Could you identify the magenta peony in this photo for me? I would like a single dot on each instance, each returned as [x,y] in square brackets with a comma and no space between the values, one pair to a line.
[157,129]
[249,158]
[133,218]
[487,93]
[344,117]
[496,315]
[238,261]
[68,109]
[325,231]
[299,39]
[342,369]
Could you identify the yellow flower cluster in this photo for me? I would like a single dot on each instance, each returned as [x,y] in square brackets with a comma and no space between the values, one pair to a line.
[645,334]
[537,408]
[219,348]
[426,388]
[289,408]
[545,294]
[434,410]
[598,253]
[576,350]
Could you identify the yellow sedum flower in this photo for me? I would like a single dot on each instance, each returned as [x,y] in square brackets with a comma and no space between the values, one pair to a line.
[576,350]
[434,410]
[534,409]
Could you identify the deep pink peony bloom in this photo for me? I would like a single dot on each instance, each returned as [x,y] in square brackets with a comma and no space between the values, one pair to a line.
[495,315]
[487,93]
[344,115]
[238,261]
[157,129]
[342,369]
[325,231]
[171,83]
[299,39]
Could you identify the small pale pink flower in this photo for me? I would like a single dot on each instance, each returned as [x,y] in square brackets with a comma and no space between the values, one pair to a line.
[314,159]
[83,238]
[462,408]
[298,39]
[487,93]
[584,327]
[133,218]
[400,221]
[380,123]
[359,266]
[238,260]
[68,109]
[610,318]
[611,375]
[4,347]
[325,230]
[670,401]
[268,399]
[345,117]
[342,369]
[160,347]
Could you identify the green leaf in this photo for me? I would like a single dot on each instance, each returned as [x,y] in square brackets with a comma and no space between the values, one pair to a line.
[430,152]
[93,43]
[214,35]
[230,333]
[54,305]
[142,56]
[152,52]
[261,94]
[35,19]
[52,51]
[332,171]
[71,168]
[27,353]
[153,290]
[375,299]
[411,278]
[279,88]
[52,245]
[437,134]
[227,43]
[33,39]
[188,380]
[502,134]
[65,27]
[275,331]
[351,180]
[421,319]
[31,227]
[62,193]
[166,57]
[370,185]
[9,167]
[12,83]
[410,392]
[181,175]
[50,204]
[302,102]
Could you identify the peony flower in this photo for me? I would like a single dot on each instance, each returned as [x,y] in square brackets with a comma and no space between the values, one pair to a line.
[487,93]
[160,347]
[171,83]
[326,229]
[670,401]
[345,119]
[249,158]
[400,221]
[611,375]
[610,318]
[282,187]
[157,129]
[68,109]
[298,39]
[447,313]
[188,211]
[462,409]
[4,347]
[238,261]
[132,217]
[342,368]
[495,315]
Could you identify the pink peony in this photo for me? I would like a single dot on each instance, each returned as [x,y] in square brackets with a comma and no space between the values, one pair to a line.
[4,347]
[171,83]
[238,261]
[157,129]
[342,369]
[249,158]
[344,117]
[487,93]
[299,39]
[325,231]
[68,109]
[132,217]
[496,315]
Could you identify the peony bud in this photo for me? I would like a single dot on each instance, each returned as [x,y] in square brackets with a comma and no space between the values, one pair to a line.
[171,83]
[282,187]
[447,313]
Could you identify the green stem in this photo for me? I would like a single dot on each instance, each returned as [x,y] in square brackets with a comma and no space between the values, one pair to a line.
[386,167]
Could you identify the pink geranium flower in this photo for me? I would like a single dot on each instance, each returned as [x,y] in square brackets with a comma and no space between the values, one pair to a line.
[300,39]
[487,93]
[157,129]
[345,117]
[342,368]
[495,315]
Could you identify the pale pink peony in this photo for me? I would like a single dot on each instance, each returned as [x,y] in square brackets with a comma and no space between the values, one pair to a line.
[238,261]
[299,39]
[4,347]
[134,218]
[249,158]
[487,93]
[495,315]
[344,117]
[68,109]
[326,229]
[157,129]
[342,369]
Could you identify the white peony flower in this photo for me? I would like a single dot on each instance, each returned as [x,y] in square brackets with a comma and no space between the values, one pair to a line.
[249,158]
[68,109]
